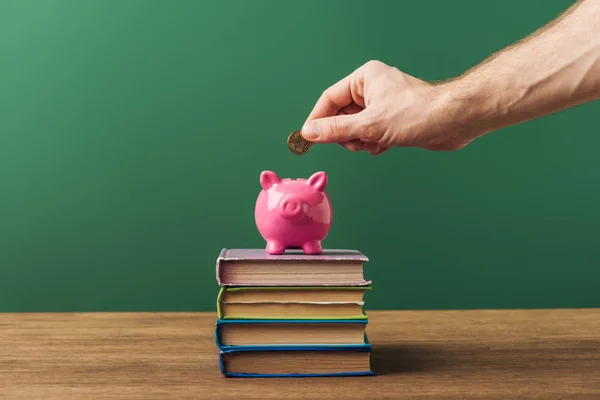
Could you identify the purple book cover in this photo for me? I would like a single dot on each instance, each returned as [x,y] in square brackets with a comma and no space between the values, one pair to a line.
[289,255]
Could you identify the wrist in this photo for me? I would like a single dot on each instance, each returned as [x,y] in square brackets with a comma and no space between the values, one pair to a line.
[468,107]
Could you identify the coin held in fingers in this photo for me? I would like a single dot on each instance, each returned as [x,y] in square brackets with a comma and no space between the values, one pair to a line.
[297,144]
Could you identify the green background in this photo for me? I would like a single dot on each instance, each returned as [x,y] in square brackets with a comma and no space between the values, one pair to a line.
[133,133]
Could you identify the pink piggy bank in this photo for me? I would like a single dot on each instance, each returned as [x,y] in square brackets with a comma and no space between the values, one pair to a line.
[293,213]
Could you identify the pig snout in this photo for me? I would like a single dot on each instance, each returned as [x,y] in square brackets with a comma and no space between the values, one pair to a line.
[290,207]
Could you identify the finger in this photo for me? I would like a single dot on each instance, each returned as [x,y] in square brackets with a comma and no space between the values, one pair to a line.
[352,145]
[338,96]
[370,147]
[339,128]
[350,109]
[382,150]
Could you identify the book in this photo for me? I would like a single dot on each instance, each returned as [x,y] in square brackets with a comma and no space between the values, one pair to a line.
[294,361]
[292,315]
[230,333]
[276,302]
[256,267]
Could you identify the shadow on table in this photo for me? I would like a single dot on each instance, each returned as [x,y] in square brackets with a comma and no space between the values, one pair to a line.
[388,359]
[542,355]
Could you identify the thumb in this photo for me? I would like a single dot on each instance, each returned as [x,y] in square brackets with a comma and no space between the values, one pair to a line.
[339,128]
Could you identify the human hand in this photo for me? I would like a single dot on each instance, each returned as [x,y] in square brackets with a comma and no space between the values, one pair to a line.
[378,107]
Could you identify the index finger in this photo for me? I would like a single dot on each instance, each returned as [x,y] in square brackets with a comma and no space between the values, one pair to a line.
[334,98]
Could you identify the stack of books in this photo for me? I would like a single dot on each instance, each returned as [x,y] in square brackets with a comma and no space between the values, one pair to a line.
[292,314]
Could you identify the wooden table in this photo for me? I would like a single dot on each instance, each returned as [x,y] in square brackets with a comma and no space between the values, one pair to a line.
[544,354]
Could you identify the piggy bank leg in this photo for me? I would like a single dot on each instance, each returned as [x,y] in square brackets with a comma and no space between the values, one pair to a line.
[312,247]
[275,247]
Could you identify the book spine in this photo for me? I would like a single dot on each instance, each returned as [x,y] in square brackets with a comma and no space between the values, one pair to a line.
[327,375]
[217,334]
[221,364]
[307,319]
[219,310]
[361,284]
[286,288]
[364,347]
[292,321]
[219,262]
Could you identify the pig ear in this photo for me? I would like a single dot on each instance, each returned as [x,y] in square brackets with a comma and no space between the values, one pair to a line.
[268,179]
[318,180]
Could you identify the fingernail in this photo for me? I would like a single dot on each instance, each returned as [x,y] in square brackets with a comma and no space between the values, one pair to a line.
[309,131]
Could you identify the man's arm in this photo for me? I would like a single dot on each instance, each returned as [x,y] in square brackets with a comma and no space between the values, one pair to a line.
[553,69]
[377,107]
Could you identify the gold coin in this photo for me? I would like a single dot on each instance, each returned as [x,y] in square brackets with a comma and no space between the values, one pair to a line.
[297,144]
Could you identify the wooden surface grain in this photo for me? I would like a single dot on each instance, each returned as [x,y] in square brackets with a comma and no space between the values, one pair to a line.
[526,354]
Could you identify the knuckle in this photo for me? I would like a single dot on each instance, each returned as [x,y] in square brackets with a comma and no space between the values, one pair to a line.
[325,96]
[375,67]
[355,145]
[327,100]
[370,133]
[334,128]
[372,127]
[373,64]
